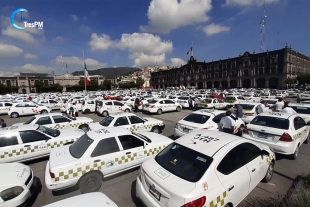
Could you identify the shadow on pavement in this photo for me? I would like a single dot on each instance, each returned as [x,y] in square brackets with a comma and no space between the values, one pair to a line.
[136,200]
[37,190]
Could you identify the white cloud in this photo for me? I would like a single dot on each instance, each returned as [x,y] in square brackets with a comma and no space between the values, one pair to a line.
[7,51]
[73,60]
[58,40]
[213,29]
[33,68]
[177,62]
[30,56]
[100,42]
[74,17]
[167,15]
[248,2]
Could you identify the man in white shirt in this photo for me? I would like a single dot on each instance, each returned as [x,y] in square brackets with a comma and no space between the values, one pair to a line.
[261,108]
[228,124]
[279,105]
[287,109]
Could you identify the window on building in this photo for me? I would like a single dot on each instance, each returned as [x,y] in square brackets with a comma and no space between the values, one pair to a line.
[273,70]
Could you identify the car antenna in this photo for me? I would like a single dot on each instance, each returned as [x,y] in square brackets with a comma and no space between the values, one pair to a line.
[193,141]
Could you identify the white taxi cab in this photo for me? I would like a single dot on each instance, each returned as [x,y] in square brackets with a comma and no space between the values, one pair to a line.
[88,106]
[99,154]
[130,121]
[50,103]
[249,111]
[27,108]
[211,103]
[208,165]
[283,133]
[59,121]
[17,184]
[27,142]
[159,106]
[204,119]
[5,107]
[104,108]
[303,110]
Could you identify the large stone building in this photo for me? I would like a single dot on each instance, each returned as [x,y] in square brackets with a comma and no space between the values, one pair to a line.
[262,70]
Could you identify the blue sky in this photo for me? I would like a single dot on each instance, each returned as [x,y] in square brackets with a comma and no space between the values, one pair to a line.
[144,32]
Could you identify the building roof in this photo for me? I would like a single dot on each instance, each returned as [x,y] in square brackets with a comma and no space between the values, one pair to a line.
[35,74]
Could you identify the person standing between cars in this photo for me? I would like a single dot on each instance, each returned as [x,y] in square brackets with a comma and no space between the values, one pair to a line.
[298,97]
[239,112]
[190,103]
[196,100]
[96,104]
[262,107]
[287,109]
[279,105]
[137,102]
[228,124]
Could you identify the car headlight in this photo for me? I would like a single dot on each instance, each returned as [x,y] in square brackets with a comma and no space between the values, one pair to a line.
[11,193]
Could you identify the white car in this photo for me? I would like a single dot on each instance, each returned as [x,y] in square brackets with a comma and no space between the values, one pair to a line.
[50,103]
[59,121]
[204,168]
[27,142]
[5,107]
[249,111]
[252,97]
[232,100]
[211,103]
[88,106]
[204,119]
[97,199]
[30,108]
[104,108]
[280,94]
[292,93]
[16,184]
[130,121]
[159,106]
[283,133]
[270,102]
[98,154]
[305,96]
[183,101]
[303,110]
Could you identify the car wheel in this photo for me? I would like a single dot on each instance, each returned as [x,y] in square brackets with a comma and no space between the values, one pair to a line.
[90,182]
[156,129]
[44,112]
[105,113]
[84,128]
[86,111]
[307,139]
[127,110]
[14,115]
[159,111]
[295,155]
[178,109]
[269,173]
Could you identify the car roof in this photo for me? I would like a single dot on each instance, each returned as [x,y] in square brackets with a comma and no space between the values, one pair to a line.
[207,142]
[249,103]
[18,128]
[208,111]
[277,114]
[106,132]
[122,114]
[49,114]
[299,104]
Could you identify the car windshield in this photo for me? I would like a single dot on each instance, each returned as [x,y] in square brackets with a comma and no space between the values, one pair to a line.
[142,137]
[49,131]
[106,121]
[183,162]
[269,121]
[152,101]
[78,148]
[197,118]
[247,106]
[30,120]
[301,109]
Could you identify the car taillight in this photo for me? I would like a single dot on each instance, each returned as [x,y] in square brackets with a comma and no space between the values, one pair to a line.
[245,130]
[176,125]
[286,137]
[196,203]
[249,114]
[152,106]
[52,174]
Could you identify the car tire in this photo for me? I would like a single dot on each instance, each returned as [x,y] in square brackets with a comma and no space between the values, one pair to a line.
[14,115]
[178,109]
[90,182]
[269,173]
[295,155]
[44,112]
[86,111]
[127,110]
[105,113]
[156,130]
[159,111]
[85,128]
[307,139]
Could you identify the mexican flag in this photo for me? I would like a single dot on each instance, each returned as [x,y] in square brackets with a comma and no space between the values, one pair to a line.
[189,50]
[86,76]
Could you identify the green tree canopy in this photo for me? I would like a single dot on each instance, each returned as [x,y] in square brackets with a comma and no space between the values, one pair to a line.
[139,82]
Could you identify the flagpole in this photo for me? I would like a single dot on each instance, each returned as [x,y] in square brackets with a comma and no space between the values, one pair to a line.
[192,48]
[63,67]
[84,75]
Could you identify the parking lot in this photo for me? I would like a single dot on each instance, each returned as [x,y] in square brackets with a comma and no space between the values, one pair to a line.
[121,188]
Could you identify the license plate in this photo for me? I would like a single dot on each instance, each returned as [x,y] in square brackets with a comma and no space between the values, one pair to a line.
[264,136]
[154,192]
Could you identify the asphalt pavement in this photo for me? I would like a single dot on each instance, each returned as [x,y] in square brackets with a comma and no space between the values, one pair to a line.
[121,188]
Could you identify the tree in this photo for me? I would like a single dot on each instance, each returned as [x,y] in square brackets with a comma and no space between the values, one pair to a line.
[106,85]
[290,81]
[303,78]
[94,82]
[38,84]
[139,82]
[81,82]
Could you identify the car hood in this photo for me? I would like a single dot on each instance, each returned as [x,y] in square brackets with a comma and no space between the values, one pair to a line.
[83,119]
[95,125]
[60,156]
[153,120]
[18,124]
[13,174]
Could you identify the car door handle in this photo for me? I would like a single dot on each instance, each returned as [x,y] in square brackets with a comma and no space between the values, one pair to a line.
[27,145]
[127,153]
[230,188]
[253,170]
[97,160]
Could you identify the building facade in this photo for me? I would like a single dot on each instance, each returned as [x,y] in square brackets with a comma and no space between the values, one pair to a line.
[262,70]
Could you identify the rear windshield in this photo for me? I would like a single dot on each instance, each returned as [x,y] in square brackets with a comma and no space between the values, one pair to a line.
[197,118]
[78,148]
[106,121]
[230,98]
[30,120]
[269,101]
[301,109]
[247,106]
[273,122]
[152,101]
[183,162]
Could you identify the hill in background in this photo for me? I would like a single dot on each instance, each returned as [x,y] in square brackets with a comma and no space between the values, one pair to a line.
[110,73]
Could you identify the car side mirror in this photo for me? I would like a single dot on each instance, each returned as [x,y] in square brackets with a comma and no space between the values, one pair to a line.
[264,152]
